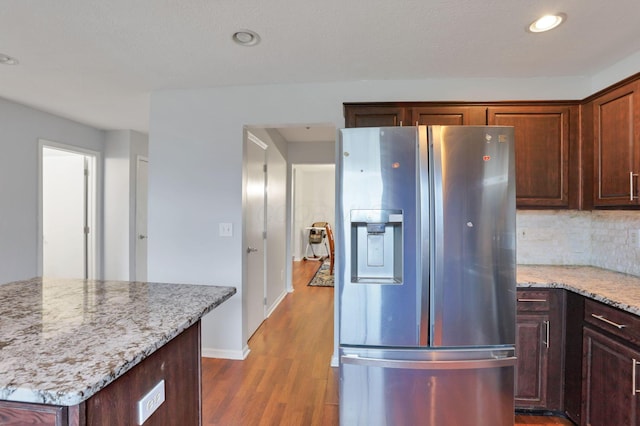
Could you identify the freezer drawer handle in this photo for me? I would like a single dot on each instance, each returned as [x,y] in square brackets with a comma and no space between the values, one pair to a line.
[603,319]
[467,364]
[532,300]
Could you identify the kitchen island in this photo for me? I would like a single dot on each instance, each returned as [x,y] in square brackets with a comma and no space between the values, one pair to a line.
[88,351]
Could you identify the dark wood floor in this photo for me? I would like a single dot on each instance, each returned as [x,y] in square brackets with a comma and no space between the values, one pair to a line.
[286,379]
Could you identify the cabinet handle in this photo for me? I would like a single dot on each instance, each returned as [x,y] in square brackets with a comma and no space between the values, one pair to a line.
[634,391]
[631,196]
[603,319]
[532,300]
[547,327]
[400,123]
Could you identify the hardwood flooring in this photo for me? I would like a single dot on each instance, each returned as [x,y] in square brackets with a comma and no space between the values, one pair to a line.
[286,379]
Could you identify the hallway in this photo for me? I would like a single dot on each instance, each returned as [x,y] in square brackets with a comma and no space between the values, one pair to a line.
[286,379]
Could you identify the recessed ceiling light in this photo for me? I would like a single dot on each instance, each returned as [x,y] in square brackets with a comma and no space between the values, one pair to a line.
[547,22]
[246,38]
[7,60]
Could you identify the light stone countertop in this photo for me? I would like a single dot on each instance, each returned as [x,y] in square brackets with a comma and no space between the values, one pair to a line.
[62,341]
[612,288]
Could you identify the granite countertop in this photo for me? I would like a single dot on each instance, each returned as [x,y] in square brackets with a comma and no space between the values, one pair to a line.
[612,288]
[61,341]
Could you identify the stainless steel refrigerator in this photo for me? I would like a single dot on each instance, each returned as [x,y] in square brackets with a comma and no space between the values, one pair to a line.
[426,275]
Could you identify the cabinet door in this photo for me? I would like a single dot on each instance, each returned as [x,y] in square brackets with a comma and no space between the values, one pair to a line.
[532,333]
[543,138]
[375,116]
[449,115]
[609,393]
[616,121]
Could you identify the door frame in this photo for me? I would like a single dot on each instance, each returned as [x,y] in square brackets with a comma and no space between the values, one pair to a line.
[94,214]
[136,232]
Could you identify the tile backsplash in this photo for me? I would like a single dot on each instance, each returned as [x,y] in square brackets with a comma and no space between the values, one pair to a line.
[571,237]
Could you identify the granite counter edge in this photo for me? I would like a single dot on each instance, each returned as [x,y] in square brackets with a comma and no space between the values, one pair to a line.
[583,292]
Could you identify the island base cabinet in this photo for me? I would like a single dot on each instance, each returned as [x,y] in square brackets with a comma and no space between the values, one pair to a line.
[16,413]
[610,395]
[178,364]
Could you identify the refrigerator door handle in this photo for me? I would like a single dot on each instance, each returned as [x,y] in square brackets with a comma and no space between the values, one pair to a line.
[467,364]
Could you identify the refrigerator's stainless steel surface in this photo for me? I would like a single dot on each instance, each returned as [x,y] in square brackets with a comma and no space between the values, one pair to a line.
[426,275]
[395,396]
[473,270]
[378,221]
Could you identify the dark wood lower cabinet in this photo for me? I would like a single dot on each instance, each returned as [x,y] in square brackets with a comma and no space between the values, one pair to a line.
[177,363]
[539,348]
[574,312]
[610,394]
[532,364]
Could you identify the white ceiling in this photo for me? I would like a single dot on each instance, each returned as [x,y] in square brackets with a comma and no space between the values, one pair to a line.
[97,61]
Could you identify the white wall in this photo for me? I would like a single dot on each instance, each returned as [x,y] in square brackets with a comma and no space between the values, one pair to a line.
[22,126]
[195,172]
[120,154]
[312,152]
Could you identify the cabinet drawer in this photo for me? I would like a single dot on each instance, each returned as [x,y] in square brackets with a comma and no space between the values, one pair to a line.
[533,300]
[613,320]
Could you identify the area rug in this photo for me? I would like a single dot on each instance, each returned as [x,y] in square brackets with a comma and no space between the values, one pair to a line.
[322,277]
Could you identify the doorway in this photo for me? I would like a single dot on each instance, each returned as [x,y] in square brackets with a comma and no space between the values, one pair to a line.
[313,200]
[68,205]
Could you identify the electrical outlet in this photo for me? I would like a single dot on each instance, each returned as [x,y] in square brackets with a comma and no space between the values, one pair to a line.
[149,403]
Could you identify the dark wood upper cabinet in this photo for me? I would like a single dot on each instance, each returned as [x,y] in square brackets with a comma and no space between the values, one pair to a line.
[616,138]
[449,115]
[580,154]
[376,116]
[546,137]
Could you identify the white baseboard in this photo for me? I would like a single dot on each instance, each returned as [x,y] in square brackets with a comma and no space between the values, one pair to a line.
[225,353]
[334,361]
[276,303]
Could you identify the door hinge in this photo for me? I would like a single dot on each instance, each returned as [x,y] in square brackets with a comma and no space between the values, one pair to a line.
[265,301]
[264,235]
[264,168]
[86,230]
[86,172]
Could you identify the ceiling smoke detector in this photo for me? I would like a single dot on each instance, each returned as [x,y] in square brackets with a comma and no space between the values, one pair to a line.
[547,22]
[7,60]
[246,38]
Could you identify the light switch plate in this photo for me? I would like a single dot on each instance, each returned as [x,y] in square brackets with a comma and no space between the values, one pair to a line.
[150,402]
[226,229]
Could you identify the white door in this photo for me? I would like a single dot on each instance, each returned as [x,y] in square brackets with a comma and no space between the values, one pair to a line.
[255,234]
[67,249]
[141,219]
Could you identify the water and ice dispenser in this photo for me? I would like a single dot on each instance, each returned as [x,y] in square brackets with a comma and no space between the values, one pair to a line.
[376,246]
